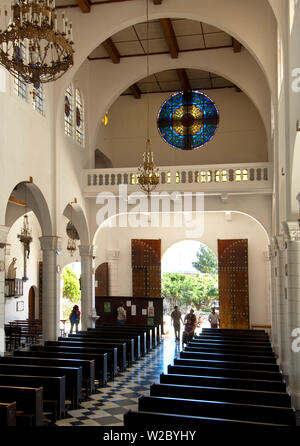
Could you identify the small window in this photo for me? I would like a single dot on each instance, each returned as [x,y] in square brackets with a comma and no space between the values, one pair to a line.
[69,123]
[79,118]
[20,86]
[38,98]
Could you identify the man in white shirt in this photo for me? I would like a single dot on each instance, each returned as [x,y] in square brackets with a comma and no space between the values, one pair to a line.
[121,317]
[213,318]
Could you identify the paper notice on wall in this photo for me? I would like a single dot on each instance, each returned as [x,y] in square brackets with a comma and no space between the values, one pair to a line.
[96,283]
[144,311]
[133,310]
[151,311]
[128,303]
[150,304]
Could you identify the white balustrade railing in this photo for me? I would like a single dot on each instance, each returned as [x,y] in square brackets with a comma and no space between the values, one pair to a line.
[255,175]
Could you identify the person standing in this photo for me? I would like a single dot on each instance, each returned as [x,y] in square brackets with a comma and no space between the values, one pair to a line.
[75,318]
[121,314]
[213,318]
[190,322]
[175,320]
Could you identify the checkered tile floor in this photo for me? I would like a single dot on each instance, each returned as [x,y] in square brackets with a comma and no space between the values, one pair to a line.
[108,405]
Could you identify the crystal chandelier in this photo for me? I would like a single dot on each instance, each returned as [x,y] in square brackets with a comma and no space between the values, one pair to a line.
[73,236]
[148,175]
[71,246]
[31,46]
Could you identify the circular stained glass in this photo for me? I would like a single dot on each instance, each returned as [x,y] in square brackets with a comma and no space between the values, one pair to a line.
[187,121]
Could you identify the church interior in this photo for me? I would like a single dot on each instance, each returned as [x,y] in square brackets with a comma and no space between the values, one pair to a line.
[137,125]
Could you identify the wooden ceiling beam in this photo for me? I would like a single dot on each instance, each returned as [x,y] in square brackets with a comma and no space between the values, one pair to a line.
[17,201]
[135,90]
[237,46]
[184,80]
[170,37]
[112,50]
[84,5]
[157,2]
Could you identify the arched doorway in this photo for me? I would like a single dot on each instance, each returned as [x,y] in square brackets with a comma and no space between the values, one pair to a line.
[189,280]
[70,294]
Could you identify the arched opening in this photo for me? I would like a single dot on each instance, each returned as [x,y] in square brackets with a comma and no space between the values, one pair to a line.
[70,294]
[32,303]
[189,280]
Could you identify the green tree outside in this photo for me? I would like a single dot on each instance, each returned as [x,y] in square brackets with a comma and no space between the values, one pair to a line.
[71,292]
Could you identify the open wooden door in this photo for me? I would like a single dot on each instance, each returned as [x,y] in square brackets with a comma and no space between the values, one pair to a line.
[233,283]
[146,267]
[101,280]
[31,304]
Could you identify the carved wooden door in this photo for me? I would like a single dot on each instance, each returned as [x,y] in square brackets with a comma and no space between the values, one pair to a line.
[146,267]
[233,283]
[101,280]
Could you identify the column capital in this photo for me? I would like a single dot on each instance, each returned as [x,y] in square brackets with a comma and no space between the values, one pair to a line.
[87,250]
[50,243]
[113,254]
[279,242]
[291,230]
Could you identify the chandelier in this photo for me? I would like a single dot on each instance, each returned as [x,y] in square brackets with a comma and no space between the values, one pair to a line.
[73,236]
[148,176]
[31,46]
[25,236]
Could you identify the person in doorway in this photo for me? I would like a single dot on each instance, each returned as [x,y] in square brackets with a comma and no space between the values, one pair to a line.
[213,318]
[175,320]
[190,323]
[121,314]
[75,318]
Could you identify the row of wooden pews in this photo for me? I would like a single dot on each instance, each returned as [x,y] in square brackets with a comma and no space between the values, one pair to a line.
[22,332]
[222,377]
[58,375]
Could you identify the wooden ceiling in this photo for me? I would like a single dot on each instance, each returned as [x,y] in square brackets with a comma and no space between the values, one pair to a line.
[166,36]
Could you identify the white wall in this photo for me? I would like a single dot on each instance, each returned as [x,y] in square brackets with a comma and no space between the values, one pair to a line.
[215,227]
[15,249]
[240,136]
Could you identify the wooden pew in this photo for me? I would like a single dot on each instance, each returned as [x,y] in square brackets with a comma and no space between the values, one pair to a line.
[228,364]
[29,403]
[130,347]
[228,357]
[88,366]
[151,335]
[242,350]
[233,395]
[147,420]
[235,331]
[54,390]
[225,382]
[156,330]
[94,342]
[231,341]
[217,409]
[231,373]
[216,336]
[73,375]
[222,346]
[56,352]
[140,339]
[112,353]
[8,414]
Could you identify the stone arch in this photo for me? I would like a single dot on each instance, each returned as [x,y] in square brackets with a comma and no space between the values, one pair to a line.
[31,194]
[75,213]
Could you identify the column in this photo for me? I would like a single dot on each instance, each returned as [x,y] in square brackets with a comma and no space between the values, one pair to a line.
[50,246]
[282,302]
[113,257]
[274,297]
[88,310]
[3,237]
[292,231]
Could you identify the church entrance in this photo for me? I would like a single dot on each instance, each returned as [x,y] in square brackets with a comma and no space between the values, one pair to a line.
[189,280]
[71,294]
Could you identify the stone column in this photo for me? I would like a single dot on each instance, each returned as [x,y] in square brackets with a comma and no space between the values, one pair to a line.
[292,231]
[88,311]
[274,296]
[113,257]
[3,238]
[282,301]
[51,247]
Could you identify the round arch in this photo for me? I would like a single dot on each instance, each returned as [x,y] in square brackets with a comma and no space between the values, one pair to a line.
[73,212]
